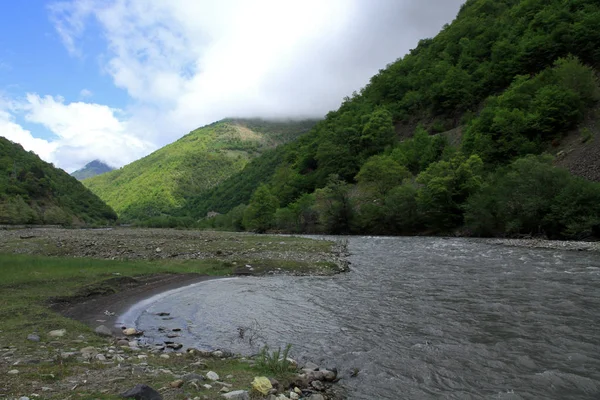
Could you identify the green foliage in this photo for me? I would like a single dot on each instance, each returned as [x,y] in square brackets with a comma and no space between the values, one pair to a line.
[260,213]
[446,185]
[334,206]
[533,110]
[275,362]
[169,180]
[532,197]
[382,173]
[35,192]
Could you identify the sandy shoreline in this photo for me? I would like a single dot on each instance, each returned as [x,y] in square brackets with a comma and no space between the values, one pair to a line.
[93,310]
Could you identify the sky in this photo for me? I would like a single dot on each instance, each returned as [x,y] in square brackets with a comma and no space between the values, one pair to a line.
[117,79]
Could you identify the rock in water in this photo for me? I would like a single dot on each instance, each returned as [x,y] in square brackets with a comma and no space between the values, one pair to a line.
[237,395]
[142,392]
[103,331]
[132,332]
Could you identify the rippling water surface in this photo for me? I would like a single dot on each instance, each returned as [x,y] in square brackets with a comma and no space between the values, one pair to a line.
[420,318]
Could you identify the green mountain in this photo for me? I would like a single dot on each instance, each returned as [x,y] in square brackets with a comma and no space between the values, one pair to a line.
[446,139]
[35,192]
[162,181]
[91,169]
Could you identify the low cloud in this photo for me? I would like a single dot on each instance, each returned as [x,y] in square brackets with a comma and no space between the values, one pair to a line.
[186,63]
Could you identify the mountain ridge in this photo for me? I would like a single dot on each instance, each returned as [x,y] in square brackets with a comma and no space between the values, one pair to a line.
[93,168]
[33,191]
[163,180]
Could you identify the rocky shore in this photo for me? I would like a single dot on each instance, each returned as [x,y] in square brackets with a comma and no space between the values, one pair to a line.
[547,244]
[109,361]
[191,373]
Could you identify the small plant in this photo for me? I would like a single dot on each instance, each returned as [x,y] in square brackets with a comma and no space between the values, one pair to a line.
[276,361]
[586,135]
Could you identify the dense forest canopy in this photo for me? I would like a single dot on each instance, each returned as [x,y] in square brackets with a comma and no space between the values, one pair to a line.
[35,192]
[513,76]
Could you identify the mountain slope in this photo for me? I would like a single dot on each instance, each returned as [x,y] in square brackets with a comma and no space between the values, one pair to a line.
[515,76]
[163,180]
[91,169]
[35,192]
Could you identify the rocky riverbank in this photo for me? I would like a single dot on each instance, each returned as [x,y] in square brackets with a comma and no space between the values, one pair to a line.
[547,244]
[93,276]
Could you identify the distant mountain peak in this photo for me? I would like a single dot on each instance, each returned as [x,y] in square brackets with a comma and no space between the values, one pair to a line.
[93,168]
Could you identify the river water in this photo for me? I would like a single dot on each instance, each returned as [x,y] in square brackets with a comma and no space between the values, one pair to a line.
[417,318]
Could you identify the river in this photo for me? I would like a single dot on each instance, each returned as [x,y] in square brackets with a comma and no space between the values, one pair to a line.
[415,318]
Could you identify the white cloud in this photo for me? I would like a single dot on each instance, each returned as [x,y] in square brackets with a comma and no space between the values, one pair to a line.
[15,132]
[191,62]
[186,63]
[84,132]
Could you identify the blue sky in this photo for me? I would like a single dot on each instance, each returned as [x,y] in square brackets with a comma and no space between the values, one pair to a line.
[117,79]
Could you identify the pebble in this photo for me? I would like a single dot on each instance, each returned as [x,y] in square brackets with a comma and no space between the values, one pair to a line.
[165,356]
[33,337]
[16,371]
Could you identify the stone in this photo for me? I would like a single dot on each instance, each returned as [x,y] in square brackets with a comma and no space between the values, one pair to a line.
[33,337]
[131,332]
[328,375]
[24,398]
[213,376]
[142,392]
[217,353]
[294,396]
[316,396]
[318,385]
[176,384]
[172,335]
[102,330]
[311,366]
[100,357]
[165,356]
[193,377]
[57,333]
[122,342]
[13,372]
[237,395]
[207,386]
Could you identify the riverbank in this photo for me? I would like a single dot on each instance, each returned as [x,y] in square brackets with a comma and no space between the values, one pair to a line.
[63,285]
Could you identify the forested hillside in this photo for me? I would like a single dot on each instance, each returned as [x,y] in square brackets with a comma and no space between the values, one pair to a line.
[515,76]
[35,192]
[91,169]
[162,182]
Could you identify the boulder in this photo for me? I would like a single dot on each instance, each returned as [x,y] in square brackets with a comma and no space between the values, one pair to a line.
[142,392]
[193,377]
[237,395]
[176,384]
[33,337]
[103,330]
[132,332]
[57,333]
[212,375]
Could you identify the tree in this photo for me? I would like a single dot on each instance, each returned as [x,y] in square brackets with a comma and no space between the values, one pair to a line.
[260,213]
